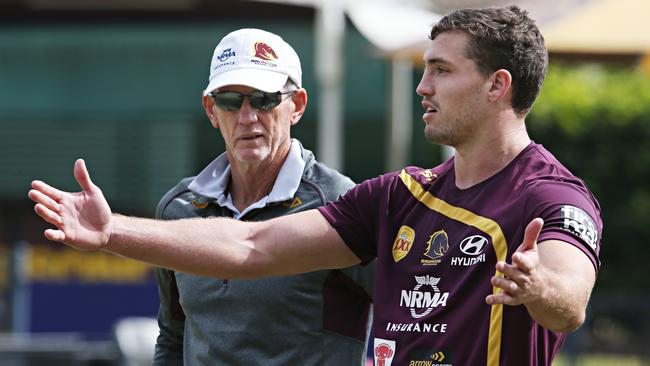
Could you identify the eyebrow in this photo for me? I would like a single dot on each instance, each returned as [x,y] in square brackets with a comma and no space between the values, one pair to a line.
[435,60]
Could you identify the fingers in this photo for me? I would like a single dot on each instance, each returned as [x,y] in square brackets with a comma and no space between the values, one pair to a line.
[511,292]
[40,197]
[501,298]
[54,219]
[519,272]
[47,207]
[54,235]
[48,215]
[504,284]
[523,263]
[50,191]
[518,281]
[514,282]
[511,270]
[82,175]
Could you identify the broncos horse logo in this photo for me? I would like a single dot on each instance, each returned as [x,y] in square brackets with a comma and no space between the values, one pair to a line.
[264,51]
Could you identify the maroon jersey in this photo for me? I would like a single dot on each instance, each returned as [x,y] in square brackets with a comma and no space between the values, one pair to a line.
[437,246]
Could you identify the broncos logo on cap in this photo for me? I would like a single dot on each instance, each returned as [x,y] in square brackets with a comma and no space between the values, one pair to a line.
[264,51]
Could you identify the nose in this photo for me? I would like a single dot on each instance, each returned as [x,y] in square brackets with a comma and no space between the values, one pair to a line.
[247,114]
[425,87]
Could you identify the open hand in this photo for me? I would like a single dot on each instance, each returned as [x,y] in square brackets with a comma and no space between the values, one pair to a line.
[82,219]
[523,279]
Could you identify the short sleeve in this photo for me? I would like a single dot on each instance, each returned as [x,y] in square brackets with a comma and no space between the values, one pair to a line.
[356,214]
[571,214]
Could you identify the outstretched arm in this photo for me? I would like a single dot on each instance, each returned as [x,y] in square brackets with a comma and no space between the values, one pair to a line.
[553,280]
[218,247]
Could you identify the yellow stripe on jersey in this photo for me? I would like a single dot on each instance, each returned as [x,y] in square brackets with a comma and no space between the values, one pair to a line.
[484,224]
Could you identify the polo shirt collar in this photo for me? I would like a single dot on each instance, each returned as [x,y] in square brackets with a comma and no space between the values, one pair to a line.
[213,181]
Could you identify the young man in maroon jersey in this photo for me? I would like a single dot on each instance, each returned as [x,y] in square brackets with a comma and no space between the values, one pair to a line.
[486,259]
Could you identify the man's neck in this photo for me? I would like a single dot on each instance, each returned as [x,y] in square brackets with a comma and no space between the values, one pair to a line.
[251,182]
[484,158]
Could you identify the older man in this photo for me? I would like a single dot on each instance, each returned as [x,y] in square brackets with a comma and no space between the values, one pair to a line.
[253,97]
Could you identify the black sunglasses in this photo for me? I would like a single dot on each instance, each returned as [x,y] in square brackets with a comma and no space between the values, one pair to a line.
[232,101]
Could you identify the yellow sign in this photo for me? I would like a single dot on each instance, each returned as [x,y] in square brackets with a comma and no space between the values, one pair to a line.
[47,264]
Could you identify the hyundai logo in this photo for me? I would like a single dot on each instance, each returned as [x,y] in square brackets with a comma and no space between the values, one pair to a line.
[473,245]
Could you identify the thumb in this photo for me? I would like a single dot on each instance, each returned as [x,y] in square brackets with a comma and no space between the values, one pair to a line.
[82,175]
[531,234]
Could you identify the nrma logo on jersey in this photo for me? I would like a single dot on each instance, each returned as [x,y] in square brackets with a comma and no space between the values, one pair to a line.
[421,301]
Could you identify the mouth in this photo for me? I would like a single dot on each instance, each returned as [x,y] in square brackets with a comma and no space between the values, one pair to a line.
[429,108]
[251,137]
[429,111]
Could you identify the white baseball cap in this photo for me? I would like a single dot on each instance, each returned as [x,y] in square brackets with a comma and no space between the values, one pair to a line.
[254,58]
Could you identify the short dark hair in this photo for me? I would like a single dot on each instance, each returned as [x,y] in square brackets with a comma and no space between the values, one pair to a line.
[503,38]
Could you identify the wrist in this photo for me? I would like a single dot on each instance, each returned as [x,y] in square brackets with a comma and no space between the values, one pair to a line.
[110,232]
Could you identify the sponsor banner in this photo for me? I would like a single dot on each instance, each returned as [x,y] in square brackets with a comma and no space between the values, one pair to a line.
[84,292]
[90,309]
[50,264]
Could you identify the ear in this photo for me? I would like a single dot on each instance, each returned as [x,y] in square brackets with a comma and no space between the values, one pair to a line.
[299,100]
[208,106]
[501,82]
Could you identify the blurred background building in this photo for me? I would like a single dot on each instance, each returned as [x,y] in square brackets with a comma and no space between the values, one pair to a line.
[118,82]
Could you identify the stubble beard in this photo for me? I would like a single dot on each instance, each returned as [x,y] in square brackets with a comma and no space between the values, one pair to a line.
[456,129]
[449,132]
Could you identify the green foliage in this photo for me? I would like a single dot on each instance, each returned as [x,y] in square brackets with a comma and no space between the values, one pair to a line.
[597,122]
[574,98]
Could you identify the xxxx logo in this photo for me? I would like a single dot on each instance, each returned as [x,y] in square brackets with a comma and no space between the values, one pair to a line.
[403,242]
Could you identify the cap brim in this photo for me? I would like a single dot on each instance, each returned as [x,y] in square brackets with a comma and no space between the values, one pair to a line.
[263,80]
